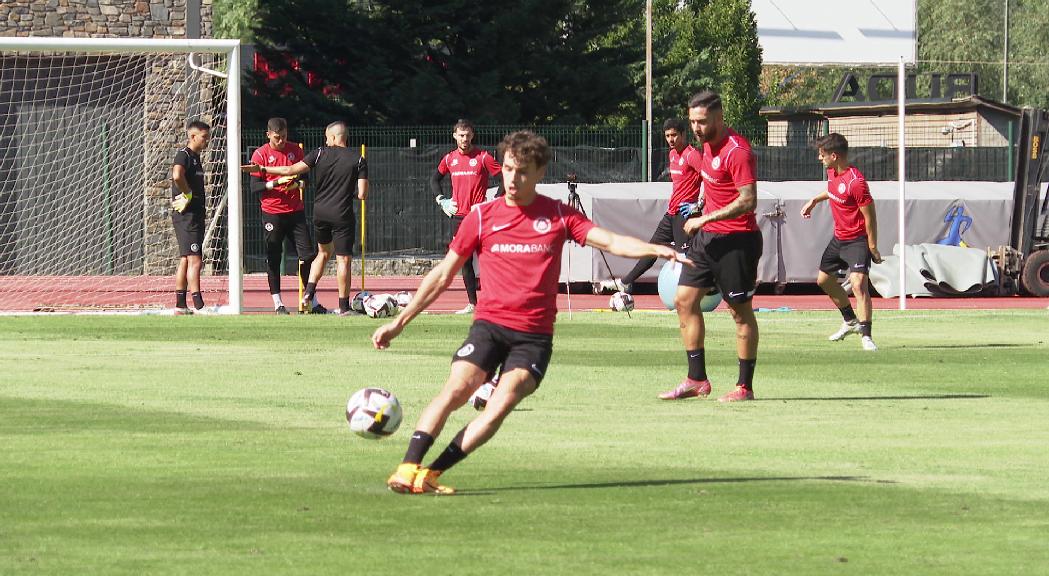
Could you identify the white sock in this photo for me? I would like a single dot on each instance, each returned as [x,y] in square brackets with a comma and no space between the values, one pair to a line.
[276,301]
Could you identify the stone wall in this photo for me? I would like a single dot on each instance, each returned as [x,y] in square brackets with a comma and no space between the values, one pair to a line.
[104,18]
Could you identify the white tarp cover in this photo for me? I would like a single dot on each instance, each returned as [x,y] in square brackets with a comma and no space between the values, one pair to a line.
[935,270]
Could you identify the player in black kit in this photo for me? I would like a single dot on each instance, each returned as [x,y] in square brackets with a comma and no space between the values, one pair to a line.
[187,215]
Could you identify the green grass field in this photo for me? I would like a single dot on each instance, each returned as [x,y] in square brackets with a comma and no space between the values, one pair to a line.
[208,445]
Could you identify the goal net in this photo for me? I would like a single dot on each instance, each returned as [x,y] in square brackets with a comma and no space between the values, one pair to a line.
[88,132]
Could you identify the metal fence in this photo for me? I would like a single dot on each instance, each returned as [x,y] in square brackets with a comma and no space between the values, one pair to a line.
[402,215]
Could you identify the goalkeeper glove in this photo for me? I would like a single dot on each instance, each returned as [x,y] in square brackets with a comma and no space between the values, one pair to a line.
[688,209]
[180,202]
[448,206]
[289,183]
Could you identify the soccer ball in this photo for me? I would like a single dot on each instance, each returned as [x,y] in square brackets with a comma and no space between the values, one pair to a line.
[481,397]
[380,306]
[621,302]
[357,304]
[373,413]
[403,298]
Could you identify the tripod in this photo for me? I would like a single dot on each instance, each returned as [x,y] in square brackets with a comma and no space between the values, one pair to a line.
[574,202]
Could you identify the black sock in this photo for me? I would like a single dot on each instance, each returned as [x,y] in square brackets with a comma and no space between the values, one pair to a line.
[697,364]
[847,313]
[865,329]
[180,299]
[452,455]
[198,300]
[417,447]
[311,289]
[344,304]
[746,373]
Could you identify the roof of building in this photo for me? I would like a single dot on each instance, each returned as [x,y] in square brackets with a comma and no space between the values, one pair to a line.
[884,107]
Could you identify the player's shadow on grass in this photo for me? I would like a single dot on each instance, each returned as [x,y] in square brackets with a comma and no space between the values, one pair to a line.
[914,397]
[659,483]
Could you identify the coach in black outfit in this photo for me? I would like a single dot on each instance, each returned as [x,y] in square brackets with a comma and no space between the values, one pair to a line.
[336,169]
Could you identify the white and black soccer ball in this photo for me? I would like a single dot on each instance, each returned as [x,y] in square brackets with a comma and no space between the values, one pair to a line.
[373,413]
[481,397]
[380,306]
[357,303]
[402,298]
[621,302]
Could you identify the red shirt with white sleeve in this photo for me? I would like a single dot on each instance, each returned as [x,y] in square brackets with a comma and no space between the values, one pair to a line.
[684,173]
[519,252]
[848,192]
[279,200]
[728,166]
[470,173]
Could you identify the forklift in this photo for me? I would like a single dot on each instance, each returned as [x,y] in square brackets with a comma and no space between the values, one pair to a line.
[1023,265]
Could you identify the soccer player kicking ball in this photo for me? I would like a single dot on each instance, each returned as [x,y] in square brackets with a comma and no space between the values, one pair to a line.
[337,171]
[518,239]
[855,242]
[187,215]
[726,246]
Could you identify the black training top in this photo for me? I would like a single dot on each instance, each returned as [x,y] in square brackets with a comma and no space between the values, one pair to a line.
[190,160]
[335,171]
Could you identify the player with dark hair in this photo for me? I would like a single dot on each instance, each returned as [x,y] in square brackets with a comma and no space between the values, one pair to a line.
[683,164]
[725,246]
[470,168]
[337,171]
[187,215]
[283,213]
[514,325]
[855,242]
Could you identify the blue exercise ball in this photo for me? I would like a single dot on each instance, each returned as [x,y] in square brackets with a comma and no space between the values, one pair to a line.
[668,277]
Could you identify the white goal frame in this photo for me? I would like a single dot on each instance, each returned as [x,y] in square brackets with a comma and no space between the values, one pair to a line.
[229,48]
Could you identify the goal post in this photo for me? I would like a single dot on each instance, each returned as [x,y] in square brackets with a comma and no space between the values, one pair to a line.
[89,128]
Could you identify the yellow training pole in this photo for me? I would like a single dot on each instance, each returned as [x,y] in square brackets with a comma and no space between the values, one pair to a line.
[364,225]
[298,274]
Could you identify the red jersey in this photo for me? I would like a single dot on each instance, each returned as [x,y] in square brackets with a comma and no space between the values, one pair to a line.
[728,166]
[470,173]
[519,251]
[848,191]
[278,200]
[684,173]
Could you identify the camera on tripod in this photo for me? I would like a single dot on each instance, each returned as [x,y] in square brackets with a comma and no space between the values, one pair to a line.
[573,183]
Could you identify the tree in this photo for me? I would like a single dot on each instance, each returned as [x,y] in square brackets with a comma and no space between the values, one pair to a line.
[424,62]
[234,19]
[696,44]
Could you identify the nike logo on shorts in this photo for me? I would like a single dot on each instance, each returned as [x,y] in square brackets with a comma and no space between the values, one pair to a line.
[859,265]
[735,294]
[500,227]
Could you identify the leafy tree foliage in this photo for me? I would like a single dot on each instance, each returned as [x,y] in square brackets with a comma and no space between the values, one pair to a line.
[234,19]
[420,62]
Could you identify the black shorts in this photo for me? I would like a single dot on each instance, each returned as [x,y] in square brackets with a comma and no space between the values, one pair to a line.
[488,345]
[189,232]
[671,232]
[293,224]
[853,255]
[341,233]
[727,262]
